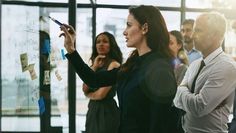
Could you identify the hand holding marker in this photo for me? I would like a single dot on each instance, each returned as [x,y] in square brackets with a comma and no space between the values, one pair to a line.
[56,21]
[60,24]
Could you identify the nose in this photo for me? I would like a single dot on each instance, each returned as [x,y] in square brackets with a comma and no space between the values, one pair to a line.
[124,33]
[184,33]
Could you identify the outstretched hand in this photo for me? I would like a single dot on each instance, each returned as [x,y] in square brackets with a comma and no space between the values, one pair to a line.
[70,36]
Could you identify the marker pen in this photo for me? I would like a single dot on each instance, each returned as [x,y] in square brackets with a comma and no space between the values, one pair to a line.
[56,21]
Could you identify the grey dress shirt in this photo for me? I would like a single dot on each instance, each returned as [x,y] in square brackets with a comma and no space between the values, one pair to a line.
[208,108]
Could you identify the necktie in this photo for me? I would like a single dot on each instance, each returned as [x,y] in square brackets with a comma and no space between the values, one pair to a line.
[195,78]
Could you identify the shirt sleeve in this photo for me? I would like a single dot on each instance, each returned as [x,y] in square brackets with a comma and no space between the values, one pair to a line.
[89,77]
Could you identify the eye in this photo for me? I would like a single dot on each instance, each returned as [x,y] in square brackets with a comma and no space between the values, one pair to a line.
[128,24]
[98,41]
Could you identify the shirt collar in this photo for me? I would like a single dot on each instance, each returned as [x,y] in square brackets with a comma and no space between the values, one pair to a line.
[213,55]
[191,51]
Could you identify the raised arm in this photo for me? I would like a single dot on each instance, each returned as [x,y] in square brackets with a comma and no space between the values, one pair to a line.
[91,78]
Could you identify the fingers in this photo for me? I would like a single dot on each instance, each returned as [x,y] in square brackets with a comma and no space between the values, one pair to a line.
[62,34]
[70,28]
[66,33]
[101,57]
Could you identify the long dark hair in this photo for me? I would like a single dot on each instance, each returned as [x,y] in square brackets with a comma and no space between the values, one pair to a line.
[157,35]
[181,54]
[114,52]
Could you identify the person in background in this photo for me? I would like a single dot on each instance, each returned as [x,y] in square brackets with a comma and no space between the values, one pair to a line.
[103,113]
[181,59]
[207,91]
[187,30]
[145,83]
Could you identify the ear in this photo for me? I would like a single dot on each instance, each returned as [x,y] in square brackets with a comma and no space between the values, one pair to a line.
[145,28]
[179,46]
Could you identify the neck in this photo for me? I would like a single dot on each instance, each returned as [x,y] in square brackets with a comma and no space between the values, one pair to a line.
[188,46]
[143,49]
[209,51]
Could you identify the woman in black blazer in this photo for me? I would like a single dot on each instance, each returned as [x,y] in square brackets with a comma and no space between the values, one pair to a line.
[145,83]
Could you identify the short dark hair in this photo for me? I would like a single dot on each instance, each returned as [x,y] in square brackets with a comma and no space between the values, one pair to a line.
[188,21]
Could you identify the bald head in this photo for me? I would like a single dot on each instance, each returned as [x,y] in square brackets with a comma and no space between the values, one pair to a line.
[216,23]
[209,30]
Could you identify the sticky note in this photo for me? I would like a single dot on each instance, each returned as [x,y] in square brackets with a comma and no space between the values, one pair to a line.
[41,105]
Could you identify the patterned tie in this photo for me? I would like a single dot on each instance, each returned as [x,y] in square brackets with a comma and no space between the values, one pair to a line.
[195,78]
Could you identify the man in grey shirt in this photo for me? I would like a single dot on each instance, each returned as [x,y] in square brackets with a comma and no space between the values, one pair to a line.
[207,90]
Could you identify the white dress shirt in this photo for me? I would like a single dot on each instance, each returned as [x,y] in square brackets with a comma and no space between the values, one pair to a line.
[208,108]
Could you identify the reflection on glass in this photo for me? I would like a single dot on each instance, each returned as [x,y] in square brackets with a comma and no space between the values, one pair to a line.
[20,90]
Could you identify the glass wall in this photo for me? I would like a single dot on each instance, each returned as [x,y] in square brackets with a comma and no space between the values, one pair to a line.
[20,67]
[84,46]
[26,64]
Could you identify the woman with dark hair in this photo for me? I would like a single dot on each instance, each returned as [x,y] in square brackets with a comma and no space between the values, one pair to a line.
[181,59]
[103,113]
[145,83]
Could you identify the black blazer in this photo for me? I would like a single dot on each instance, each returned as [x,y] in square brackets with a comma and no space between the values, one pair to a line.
[145,93]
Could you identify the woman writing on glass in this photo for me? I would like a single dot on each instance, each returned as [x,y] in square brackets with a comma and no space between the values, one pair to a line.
[145,83]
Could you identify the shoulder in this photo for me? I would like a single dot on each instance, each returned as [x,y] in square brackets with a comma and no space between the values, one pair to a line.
[182,67]
[160,81]
[225,62]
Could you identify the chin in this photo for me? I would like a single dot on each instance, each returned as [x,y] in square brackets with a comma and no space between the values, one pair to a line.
[129,45]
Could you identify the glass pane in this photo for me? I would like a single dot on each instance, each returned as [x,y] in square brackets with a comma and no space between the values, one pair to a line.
[115,22]
[59,68]
[172,20]
[230,38]
[225,4]
[192,15]
[84,47]
[199,3]
[168,3]
[58,1]
[20,87]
